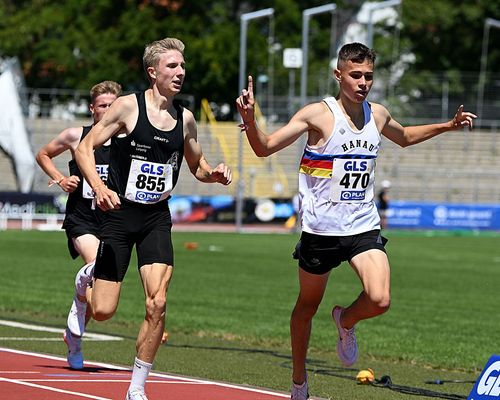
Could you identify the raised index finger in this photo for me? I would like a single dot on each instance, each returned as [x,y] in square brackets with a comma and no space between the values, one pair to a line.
[250,84]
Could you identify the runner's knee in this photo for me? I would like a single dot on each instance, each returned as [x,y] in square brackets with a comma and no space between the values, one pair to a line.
[102,313]
[305,309]
[155,306]
[380,301]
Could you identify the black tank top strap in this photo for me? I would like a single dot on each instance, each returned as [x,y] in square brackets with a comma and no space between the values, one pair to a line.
[86,130]
[141,103]
[72,165]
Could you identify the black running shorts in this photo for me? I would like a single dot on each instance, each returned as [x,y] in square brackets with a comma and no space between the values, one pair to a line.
[148,227]
[318,254]
[76,227]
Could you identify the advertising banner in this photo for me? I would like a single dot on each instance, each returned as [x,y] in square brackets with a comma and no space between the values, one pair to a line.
[15,204]
[222,209]
[487,387]
[405,214]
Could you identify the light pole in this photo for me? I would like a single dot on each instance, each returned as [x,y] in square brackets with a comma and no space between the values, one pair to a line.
[484,60]
[240,190]
[306,15]
[371,8]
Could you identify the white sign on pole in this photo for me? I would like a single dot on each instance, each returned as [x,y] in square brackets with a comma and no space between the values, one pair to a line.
[292,58]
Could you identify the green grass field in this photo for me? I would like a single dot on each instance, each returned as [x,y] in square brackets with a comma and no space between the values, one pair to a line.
[230,300]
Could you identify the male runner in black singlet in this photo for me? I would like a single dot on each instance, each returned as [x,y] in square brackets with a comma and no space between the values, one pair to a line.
[82,221]
[150,135]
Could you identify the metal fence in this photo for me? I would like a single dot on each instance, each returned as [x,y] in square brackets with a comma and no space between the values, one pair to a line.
[48,111]
[433,97]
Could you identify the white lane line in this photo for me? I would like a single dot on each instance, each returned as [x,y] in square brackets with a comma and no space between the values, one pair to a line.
[160,375]
[85,395]
[52,339]
[110,381]
[40,328]
[19,372]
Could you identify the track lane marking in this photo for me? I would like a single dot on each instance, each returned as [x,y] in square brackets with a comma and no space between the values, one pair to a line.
[159,375]
[85,395]
[41,328]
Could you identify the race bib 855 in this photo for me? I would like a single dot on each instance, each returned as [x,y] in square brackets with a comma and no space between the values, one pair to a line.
[148,182]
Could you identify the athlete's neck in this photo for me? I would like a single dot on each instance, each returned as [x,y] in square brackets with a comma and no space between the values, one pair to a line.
[158,100]
[353,111]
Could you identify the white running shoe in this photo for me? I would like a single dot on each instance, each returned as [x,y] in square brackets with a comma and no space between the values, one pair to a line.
[84,278]
[75,356]
[136,394]
[300,392]
[347,348]
[76,317]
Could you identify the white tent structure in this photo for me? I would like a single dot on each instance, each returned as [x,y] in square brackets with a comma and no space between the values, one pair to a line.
[14,138]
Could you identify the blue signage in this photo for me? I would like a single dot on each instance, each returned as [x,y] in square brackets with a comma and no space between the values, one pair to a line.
[405,214]
[487,387]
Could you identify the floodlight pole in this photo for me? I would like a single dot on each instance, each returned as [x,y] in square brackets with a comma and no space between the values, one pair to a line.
[306,15]
[484,60]
[240,190]
[371,8]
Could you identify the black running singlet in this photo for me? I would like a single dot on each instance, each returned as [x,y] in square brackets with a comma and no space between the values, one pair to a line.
[80,201]
[144,165]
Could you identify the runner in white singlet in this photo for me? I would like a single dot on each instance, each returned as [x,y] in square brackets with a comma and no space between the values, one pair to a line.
[338,214]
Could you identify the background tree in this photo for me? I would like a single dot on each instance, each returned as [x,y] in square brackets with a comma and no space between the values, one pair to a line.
[75,43]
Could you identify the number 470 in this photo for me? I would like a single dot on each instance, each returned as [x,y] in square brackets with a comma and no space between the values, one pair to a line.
[353,179]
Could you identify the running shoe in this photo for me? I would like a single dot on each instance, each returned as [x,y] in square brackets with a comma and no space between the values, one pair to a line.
[75,356]
[300,392]
[76,317]
[347,348]
[136,394]
[84,278]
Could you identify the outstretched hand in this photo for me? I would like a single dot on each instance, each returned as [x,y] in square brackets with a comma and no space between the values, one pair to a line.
[462,119]
[245,102]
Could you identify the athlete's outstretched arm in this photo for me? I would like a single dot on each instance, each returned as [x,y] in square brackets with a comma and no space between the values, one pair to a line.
[195,159]
[409,135]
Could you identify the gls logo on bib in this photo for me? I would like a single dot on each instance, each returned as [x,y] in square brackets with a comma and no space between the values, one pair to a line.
[487,387]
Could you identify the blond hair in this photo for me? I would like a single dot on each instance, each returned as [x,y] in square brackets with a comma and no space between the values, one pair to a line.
[105,87]
[153,50]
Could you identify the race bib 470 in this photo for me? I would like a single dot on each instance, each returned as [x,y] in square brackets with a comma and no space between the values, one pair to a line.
[352,180]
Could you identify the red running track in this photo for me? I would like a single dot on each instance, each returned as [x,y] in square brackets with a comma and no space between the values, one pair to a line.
[28,376]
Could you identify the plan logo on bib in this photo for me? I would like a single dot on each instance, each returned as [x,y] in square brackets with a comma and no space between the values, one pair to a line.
[487,386]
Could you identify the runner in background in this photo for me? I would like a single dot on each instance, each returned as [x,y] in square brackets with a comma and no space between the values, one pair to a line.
[82,221]
[383,202]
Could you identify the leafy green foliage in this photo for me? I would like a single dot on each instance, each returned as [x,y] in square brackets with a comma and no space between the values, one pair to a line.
[447,34]
[75,43]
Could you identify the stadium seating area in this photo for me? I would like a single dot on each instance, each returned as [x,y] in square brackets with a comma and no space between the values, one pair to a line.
[458,167]
[8,181]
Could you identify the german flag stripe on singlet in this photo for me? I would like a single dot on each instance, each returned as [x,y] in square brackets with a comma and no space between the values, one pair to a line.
[321,165]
